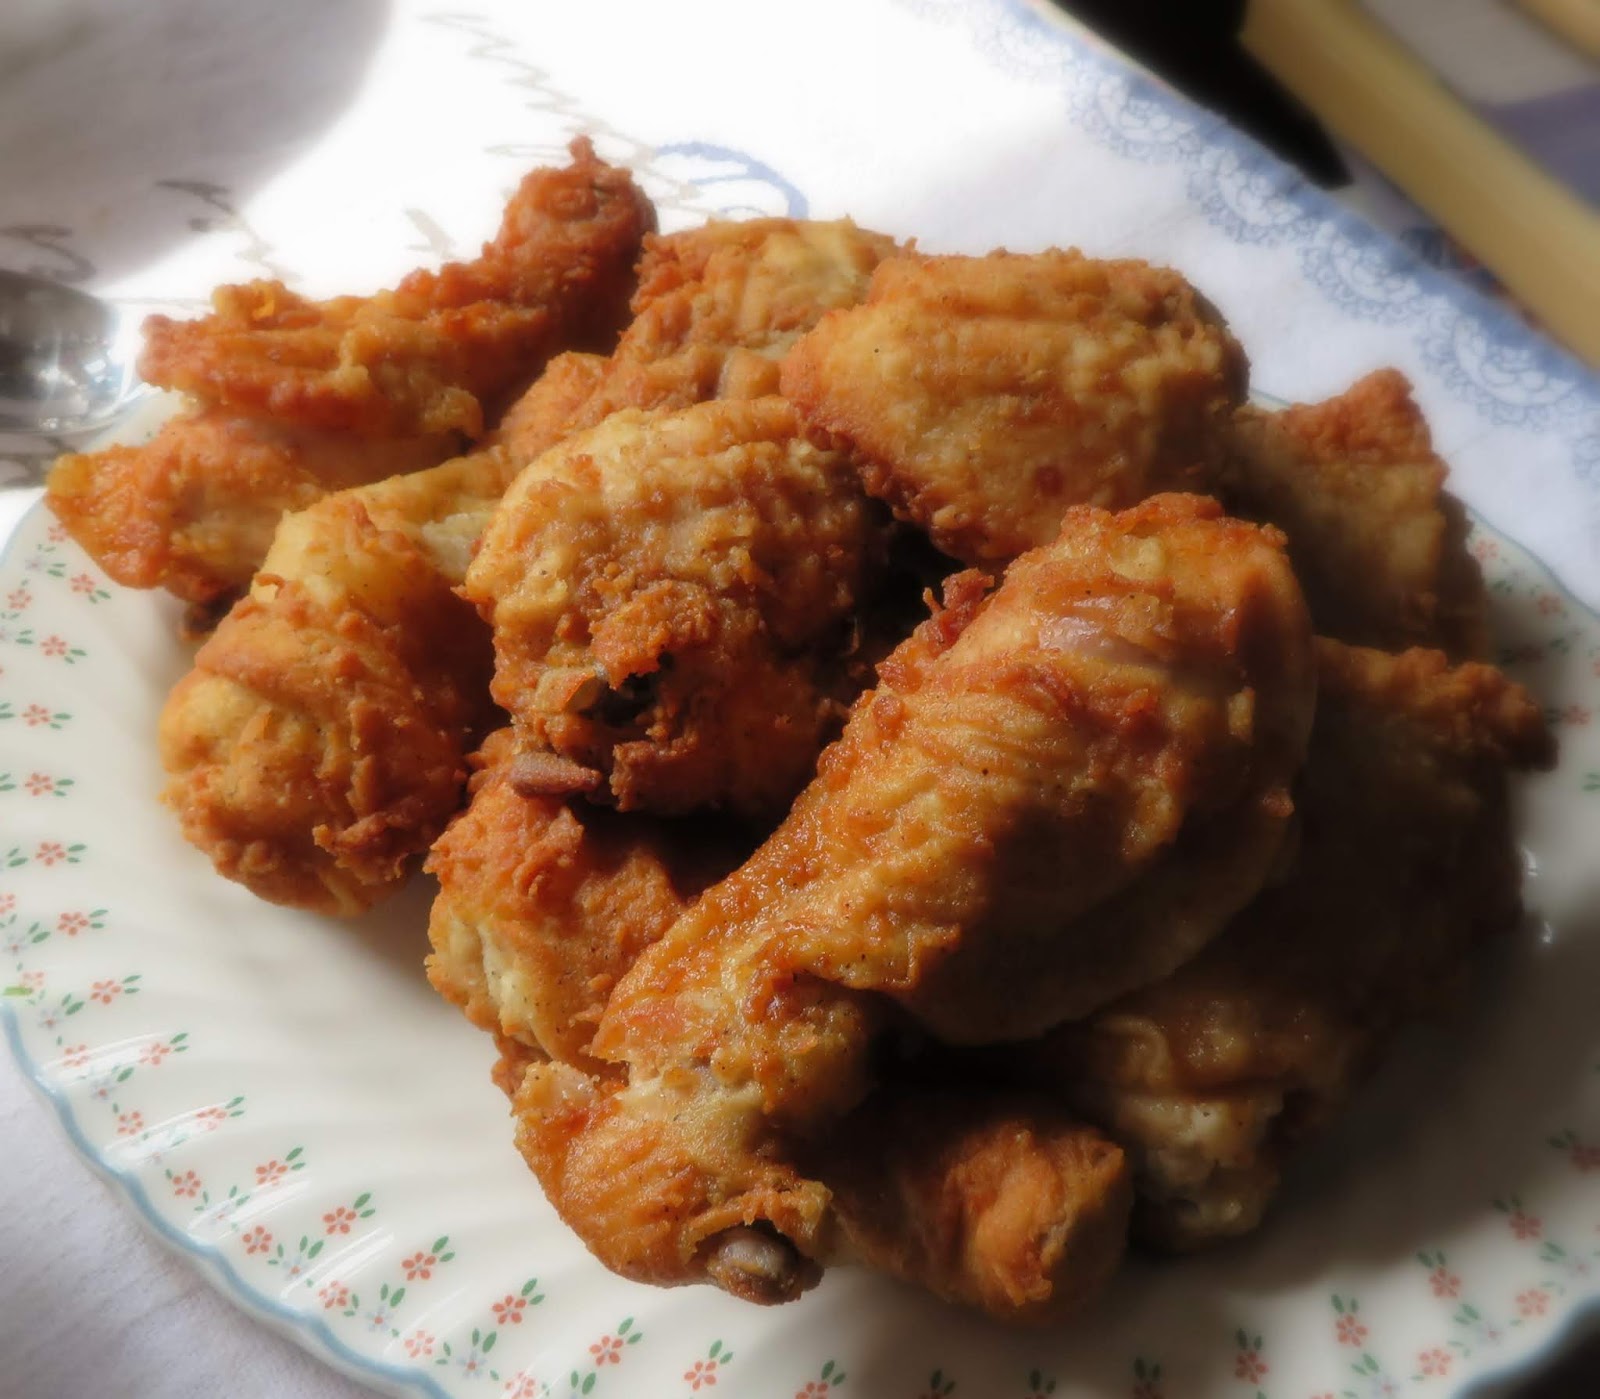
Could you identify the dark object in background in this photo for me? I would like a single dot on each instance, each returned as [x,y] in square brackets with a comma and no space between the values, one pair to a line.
[1193,46]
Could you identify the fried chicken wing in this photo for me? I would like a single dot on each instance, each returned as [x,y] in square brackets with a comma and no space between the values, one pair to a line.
[1378,544]
[295,399]
[982,396]
[672,597]
[1214,1075]
[545,902]
[320,740]
[442,351]
[1024,820]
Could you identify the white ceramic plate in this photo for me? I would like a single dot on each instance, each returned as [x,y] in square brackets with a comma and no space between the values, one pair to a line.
[284,1098]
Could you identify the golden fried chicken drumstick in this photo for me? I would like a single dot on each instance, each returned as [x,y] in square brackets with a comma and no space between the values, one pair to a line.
[982,396]
[1377,542]
[1060,790]
[294,399]
[1406,862]
[673,599]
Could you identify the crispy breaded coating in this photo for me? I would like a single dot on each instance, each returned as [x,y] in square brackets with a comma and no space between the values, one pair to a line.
[320,741]
[545,902]
[443,350]
[982,396]
[1059,790]
[673,599]
[1214,1076]
[294,399]
[193,509]
[1378,543]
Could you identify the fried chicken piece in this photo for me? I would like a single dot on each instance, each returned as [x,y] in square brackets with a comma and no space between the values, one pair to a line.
[982,396]
[997,1201]
[193,509]
[1378,544]
[545,902]
[673,599]
[440,352]
[1059,790]
[320,740]
[297,399]
[994,1200]
[719,306]
[1212,1077]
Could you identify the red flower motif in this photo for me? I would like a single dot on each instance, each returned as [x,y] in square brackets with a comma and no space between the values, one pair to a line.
[257,1240]
[420,1265]
[1249,1367]
[71,924]
[419,1343]
[336,1294]
[1548,604]
[39,784]
[1534,1302]
[75,1056]
[703,1373]
[1147,1389]
[1435,1361]
[1351,1331]
[1584,1157]
[105,991]
[50,852]
[1525,1225]
[187,1185]
[82,583]
[339,1221]
[17,599]
[34,981]
[34,715]
[1444,1282]
[209,1119]
[509,1312]
[154,1052]
[7,903]
[270,1173]
[130,1123]
[53,646]
[1484,548]
[814,1389]
[606,1351]
[522,1385]
[1577,715]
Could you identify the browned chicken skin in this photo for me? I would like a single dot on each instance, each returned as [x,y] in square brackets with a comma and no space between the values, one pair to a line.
[1213,1075]
[1027,757]
[673,598]
[982,396]
[294,399]
[1377,542]
[320,741]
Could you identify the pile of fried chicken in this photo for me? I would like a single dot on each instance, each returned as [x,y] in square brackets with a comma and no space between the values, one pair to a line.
[920,771]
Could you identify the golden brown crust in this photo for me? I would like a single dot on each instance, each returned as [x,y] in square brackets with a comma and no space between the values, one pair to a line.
[673,597]
[1379,545]
[983,396]
[442,350]
[318,743]
[544,903]
[1405,863]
